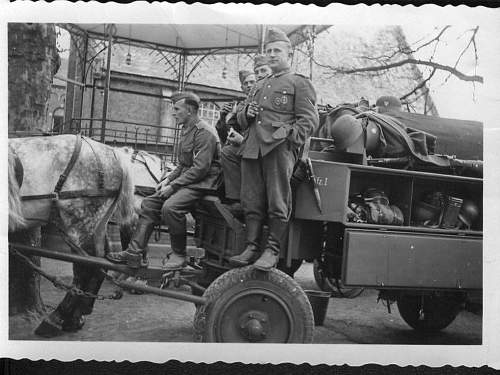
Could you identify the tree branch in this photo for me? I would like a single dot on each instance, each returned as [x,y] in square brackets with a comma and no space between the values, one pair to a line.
[368,69]
[419,86]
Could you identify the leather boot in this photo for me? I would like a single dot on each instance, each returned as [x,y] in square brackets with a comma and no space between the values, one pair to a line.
[252,251]
[177,258]
[278,231]
[134,255]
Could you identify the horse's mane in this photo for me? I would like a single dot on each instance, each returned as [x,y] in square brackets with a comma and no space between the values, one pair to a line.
[16,217]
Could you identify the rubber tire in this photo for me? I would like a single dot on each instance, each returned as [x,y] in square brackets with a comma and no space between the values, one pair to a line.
[240,279]
[328,284]
[439,311]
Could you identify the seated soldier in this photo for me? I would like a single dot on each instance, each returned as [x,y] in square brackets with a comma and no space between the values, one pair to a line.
[197,174]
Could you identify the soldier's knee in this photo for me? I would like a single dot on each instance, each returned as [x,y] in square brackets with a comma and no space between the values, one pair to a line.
[167,210]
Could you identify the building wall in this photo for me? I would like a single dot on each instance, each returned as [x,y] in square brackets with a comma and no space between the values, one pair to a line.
[139,120]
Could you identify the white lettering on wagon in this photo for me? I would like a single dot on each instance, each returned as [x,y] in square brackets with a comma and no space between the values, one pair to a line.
[321,181]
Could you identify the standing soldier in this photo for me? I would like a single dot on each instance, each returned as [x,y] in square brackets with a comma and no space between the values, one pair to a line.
[197,174]
[281,116]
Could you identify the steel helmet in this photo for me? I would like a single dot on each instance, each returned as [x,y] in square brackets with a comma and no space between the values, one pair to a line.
[469,212]
[375,195]
[388,103]
[424,212]
[372,134]
[345,131]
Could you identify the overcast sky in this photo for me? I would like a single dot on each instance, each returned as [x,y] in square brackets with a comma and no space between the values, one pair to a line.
[456,98]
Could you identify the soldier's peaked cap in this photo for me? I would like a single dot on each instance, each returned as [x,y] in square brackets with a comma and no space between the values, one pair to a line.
[260,60]
[276,35]
[244,74]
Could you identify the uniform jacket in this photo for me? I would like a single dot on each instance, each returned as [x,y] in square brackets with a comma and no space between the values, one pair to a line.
[223,127]
[199,158]
[288,113]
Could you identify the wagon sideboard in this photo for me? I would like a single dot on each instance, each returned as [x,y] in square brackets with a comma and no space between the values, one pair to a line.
[389,256]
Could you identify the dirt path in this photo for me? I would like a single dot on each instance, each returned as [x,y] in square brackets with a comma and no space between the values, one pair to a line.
[151,318]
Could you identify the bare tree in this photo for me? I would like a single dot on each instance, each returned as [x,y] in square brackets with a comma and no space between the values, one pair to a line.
[33,61]
[402,54]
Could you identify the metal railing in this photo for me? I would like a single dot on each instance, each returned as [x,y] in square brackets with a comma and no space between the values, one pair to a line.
[155,139]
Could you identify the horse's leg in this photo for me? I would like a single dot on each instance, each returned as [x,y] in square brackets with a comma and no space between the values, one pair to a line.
[53,324]
[126,232]
[90,281]
[62,318]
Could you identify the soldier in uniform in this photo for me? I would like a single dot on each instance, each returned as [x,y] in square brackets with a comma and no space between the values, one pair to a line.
[281,116]
[261,67]
[197,174]
[227,119]
[229,130]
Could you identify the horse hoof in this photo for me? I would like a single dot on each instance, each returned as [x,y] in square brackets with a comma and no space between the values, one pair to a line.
[48,329]
[74,324]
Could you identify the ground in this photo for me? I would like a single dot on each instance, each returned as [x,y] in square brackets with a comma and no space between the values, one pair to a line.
[151,318]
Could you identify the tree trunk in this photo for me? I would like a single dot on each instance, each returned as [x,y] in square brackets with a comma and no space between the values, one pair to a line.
[24,284]
[33,61]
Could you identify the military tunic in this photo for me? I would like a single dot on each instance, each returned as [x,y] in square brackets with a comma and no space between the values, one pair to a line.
[287,116]
[230,158]
[197,174]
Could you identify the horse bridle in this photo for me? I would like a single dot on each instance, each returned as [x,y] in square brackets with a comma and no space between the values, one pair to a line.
[57,194]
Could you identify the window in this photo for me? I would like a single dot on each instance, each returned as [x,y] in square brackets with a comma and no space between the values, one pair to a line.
[208,112]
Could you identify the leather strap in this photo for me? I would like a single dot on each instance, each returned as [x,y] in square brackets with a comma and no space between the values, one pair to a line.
[72,194]
[69,167]
[100,171]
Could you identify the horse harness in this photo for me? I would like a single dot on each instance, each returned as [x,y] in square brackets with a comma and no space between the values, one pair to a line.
[70,194]
[57,194]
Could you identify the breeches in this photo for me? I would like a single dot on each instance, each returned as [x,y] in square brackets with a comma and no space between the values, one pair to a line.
[172,211]
[231,169]
[265,185]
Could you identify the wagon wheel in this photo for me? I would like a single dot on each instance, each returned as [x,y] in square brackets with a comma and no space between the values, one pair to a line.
[429,313]
[329,284]
[248,305]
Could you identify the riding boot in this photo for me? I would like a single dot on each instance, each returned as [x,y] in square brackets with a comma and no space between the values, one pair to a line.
[278,231]
[134,255]
[177,258]
[252,250]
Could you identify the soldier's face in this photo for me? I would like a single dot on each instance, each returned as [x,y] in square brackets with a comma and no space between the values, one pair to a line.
[181,112]
[279,55]
[262,72]
[248,83]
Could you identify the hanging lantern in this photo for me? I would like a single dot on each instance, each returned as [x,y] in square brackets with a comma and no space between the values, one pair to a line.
[224,69]
[128,58]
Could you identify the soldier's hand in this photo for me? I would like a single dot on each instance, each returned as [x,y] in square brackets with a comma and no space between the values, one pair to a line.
[162,184]
[167,191]
[235,138]
[227,107]
[252,110]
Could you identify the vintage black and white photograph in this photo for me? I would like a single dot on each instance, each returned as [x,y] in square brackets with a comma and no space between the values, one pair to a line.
[249,180]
